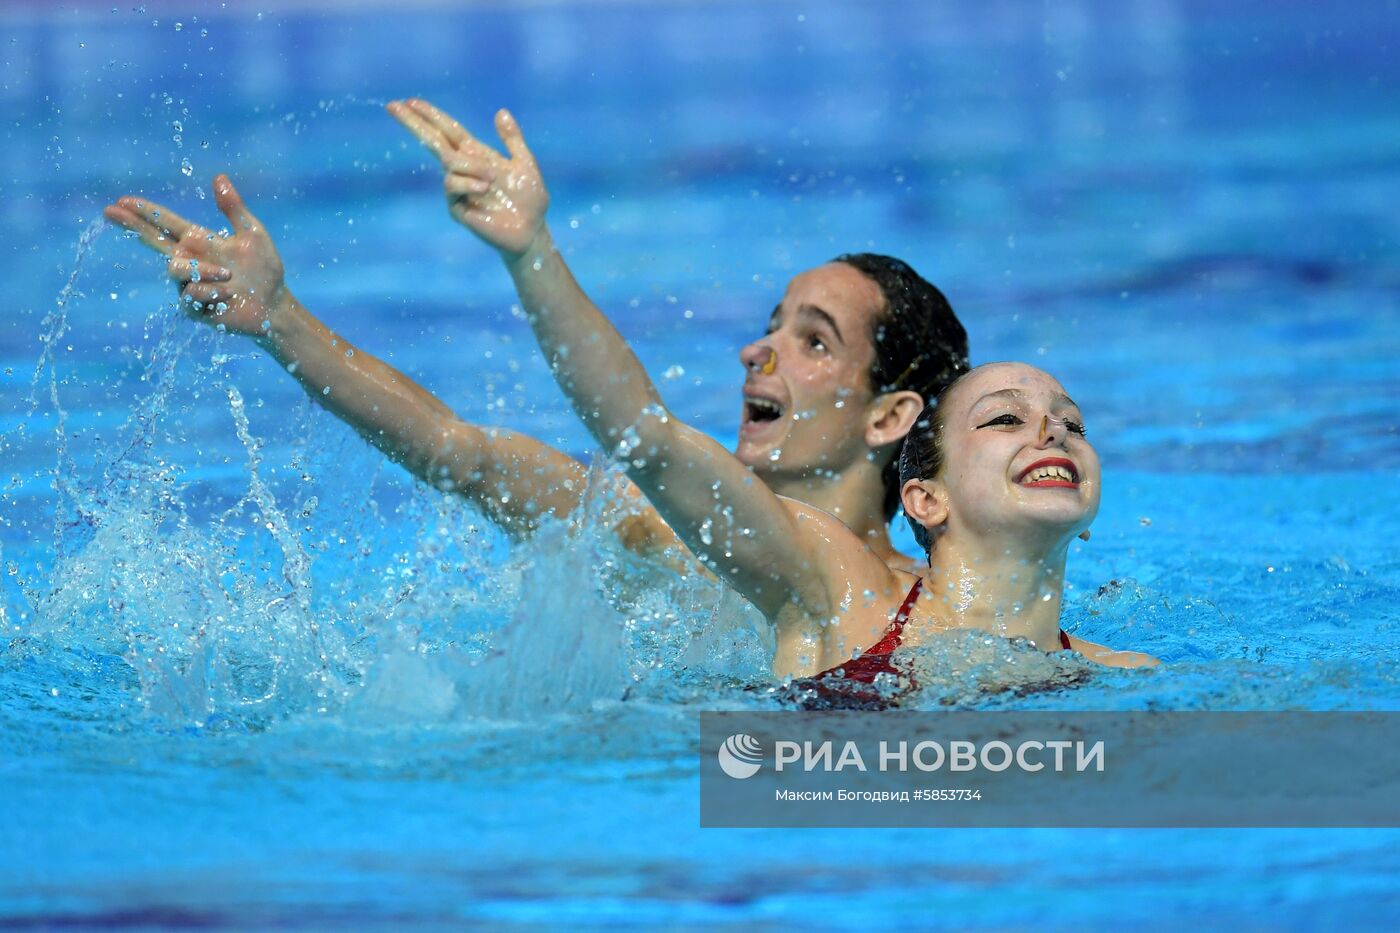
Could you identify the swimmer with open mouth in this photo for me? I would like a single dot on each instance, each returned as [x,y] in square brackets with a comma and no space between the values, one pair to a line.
[1003,478]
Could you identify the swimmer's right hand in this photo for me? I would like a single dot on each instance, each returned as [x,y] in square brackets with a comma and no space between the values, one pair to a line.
[502,200]
[232,278]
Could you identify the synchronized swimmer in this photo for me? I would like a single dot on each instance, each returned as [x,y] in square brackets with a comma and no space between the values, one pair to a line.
[861,358]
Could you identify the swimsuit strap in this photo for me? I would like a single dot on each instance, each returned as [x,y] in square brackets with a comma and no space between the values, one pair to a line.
[1064,641]
[891,638]
[907,606]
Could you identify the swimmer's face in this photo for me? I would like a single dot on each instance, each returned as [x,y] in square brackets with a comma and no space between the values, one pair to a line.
[1015,455]
[807,391]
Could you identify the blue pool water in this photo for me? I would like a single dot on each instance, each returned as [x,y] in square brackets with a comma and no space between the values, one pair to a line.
[250,676]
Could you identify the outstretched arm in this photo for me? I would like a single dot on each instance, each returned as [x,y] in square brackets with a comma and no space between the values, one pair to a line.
[717,506]
[236,281]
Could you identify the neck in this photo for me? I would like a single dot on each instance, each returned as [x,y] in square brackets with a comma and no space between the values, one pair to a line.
[856,496]
[1005,585]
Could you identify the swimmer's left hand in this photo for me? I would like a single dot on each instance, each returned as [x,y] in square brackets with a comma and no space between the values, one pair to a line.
[502,200]
[234,280]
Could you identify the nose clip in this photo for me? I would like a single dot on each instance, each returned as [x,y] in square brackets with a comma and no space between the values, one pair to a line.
[1046,421]
[772,363]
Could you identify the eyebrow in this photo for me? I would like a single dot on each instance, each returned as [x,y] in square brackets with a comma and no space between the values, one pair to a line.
[812,311]
[809,311]
[1018,394]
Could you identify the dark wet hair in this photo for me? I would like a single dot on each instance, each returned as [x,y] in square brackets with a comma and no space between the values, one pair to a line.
[921,457]
[920,345]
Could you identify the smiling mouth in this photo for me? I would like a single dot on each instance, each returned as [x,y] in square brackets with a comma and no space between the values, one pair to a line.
[1054,473]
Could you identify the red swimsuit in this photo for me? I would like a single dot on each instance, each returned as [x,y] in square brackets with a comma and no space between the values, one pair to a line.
[875,660]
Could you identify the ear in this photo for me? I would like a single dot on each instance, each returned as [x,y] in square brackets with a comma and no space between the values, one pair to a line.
[925,501]
[892,415]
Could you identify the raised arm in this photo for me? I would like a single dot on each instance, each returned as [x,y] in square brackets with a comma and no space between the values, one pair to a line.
[235,281]
[718,507]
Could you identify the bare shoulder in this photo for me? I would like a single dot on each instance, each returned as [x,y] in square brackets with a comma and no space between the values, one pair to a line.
[814,641]
[1108,657]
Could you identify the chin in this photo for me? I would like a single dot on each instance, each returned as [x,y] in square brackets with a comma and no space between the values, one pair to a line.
[755,453]
[1059,523]
[750,455]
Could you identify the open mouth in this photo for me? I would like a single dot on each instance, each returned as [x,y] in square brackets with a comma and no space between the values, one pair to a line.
[761,410]
[1051,473]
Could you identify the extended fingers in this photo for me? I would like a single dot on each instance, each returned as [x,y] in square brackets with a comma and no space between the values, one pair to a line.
[129,220]
[454,132]
[131,215]
[231,203]
[458,149]
[427,134]
[512,137]
[159,218]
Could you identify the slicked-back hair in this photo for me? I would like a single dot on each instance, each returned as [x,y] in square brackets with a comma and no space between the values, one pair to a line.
[920,345]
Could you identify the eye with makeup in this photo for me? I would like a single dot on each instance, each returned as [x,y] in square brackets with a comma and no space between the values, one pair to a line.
[1010,420]
[1007,420]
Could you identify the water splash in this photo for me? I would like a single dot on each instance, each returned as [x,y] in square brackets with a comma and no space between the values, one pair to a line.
[274,607]
[215,571]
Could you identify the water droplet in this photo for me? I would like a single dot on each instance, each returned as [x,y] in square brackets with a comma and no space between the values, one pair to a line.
[186,168]
[629,442]
[775,455]
[349,352]
[1144,521]
[706,532]
[672,372]
[326,390]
